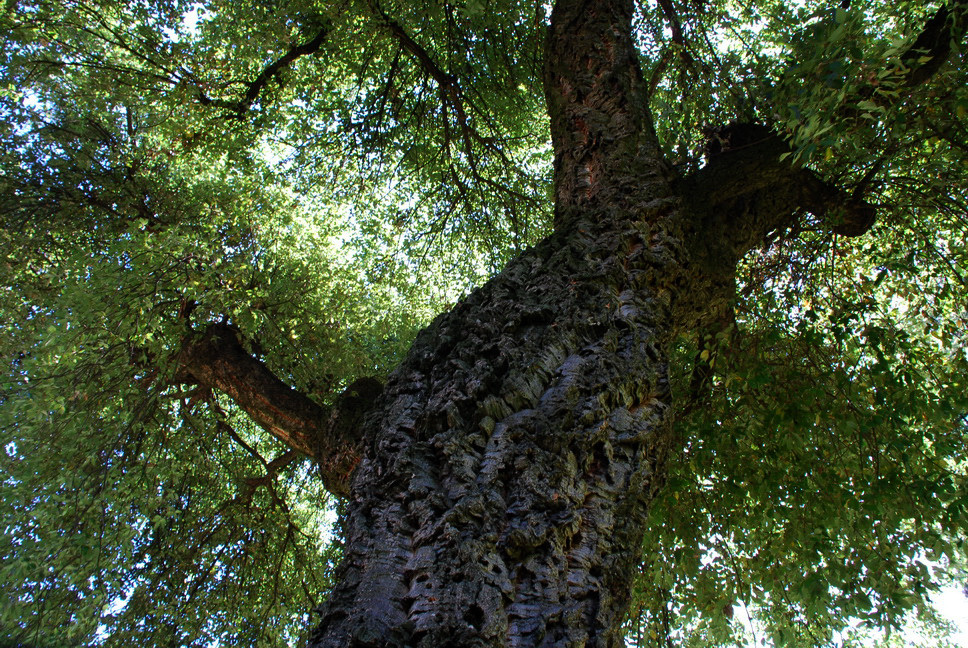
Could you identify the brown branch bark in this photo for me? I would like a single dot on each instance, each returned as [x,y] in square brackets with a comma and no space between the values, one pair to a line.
[674,24]
[678,38]
[252,484]
[217,360]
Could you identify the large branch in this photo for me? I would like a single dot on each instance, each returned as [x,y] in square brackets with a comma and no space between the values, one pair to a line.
[932,48]
[601,129]
[920,61]
[217,360]
[746,191]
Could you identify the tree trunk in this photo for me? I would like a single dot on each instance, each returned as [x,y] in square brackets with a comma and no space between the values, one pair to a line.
[502,477]
[505,482]
[510,462]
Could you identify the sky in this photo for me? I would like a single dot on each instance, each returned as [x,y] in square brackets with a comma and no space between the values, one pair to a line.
[951,602]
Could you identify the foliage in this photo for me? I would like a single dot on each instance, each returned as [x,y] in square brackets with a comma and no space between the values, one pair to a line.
[364,189]
[824,478]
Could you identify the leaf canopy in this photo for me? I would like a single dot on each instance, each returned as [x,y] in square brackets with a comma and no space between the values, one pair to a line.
[327,177]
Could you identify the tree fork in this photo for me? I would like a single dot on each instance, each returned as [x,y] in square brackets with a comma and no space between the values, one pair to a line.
[217,359]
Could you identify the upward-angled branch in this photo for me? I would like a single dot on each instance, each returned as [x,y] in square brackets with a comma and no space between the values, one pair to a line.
[924,57]
[601,129]
[746,190]
[674,24]
[679,47]
[216,359]
[254,88]
[933,45]
[451,93]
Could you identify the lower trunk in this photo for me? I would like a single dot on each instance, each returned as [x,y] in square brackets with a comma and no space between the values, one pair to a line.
[509,470]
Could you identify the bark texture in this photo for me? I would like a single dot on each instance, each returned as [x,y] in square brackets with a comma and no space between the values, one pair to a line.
[511,458]
[504,482]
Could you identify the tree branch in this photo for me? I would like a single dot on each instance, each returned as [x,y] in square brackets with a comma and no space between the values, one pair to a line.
[746,191]
[451,93]
[217,360]
[933,45]
[601,129]
[250,485]
[919,62]
[678,38]
[255,87]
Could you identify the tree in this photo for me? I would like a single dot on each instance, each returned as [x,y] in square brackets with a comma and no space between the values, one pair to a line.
[714,360]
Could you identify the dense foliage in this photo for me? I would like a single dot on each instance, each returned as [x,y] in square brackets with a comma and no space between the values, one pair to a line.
[326,177]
